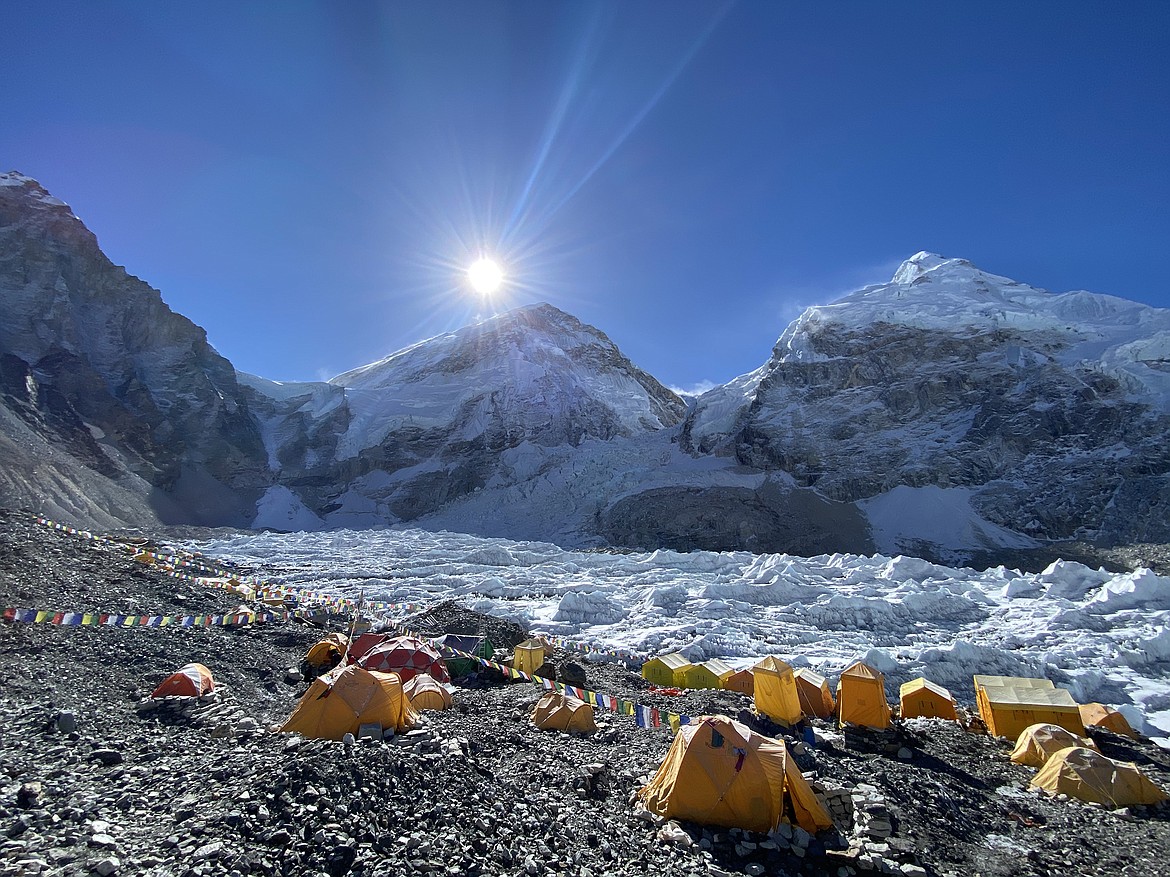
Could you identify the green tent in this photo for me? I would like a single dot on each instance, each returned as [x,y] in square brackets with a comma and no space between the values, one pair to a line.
[480,646]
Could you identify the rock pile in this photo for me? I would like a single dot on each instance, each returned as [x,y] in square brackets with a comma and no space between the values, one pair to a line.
[95,780]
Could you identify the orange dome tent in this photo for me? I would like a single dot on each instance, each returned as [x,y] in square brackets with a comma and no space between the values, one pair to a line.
[1097,715]
[1038,742]
[191,680]
[559,712]
[719,772]
[326,653]
[1089,776]
[346,698]
[424,693]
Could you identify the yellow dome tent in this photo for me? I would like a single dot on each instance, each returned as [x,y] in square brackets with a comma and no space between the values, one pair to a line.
[816,698]
[709,674]
[328,652]
[861,697]
[1089,776]
[1038,742]
[719,772]
[921,698]
[666,670]
[529,655]
[743,681]
[775,695]
[426,693]
[346,698]
[559,712]
[1097,715]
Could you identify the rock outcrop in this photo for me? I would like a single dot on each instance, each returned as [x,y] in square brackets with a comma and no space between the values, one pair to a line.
[113,377]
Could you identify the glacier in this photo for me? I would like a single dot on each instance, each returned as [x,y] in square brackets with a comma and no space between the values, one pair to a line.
[1104,636]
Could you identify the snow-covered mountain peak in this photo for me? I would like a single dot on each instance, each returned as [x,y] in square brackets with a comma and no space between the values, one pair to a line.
[922,262]
[938,294]
[533,371]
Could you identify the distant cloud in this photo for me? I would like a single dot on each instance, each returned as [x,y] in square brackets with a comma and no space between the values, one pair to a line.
[697,390]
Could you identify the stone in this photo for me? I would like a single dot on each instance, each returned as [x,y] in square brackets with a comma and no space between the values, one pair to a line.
[66,722]
[28,794]
[212,850]
[572,673]
[108,757]
[108,866]
[905,754]
[913,870]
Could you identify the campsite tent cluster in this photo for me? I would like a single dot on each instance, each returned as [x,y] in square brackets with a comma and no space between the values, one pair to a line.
[717,771]
[785,695]
[1046,722]
[376,685]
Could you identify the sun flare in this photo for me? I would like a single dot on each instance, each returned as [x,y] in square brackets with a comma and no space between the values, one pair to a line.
[485,276]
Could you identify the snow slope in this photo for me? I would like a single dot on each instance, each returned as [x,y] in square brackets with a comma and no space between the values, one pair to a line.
[535,368]
[1122,338]
[1105,637]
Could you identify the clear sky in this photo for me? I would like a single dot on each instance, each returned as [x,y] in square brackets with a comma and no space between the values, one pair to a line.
[309,181]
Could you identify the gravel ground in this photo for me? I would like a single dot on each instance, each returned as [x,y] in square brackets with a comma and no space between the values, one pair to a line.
[478,790]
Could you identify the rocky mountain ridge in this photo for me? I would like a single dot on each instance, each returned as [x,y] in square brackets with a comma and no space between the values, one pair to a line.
[950,395]
[1049,411]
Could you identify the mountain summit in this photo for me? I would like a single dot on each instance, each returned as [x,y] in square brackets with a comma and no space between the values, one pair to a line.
[535,372]
[447,416]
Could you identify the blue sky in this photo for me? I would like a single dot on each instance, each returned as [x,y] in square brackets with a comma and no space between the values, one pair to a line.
[308,181]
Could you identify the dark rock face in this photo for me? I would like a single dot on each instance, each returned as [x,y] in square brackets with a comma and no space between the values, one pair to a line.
[765,520]
[1051,450]
[108,357]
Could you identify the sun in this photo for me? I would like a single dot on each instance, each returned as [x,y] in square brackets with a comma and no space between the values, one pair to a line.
[485,276]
